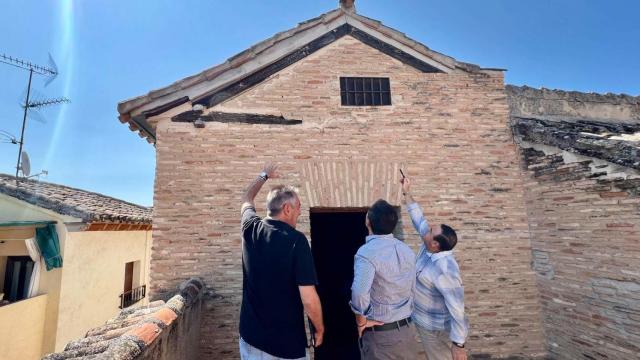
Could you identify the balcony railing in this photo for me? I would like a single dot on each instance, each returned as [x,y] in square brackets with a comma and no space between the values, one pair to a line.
[132,296]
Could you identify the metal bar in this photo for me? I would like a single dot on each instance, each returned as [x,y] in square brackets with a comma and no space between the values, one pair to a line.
[132,296]
[24,122]
[42,70]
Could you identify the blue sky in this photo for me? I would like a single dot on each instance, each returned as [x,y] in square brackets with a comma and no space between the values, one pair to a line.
[110,50]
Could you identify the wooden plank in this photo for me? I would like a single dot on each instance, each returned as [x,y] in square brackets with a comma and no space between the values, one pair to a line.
[165,107]
[259,76]
[393,51]
[193,115]
[17,233]
[252,79]
[117,227]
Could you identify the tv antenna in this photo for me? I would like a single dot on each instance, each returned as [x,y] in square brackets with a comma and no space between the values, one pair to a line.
[25,164]
[7,137]
[25,167]
[51,72]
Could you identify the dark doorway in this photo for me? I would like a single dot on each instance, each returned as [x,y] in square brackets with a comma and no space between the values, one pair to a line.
[128,277]
[336,235]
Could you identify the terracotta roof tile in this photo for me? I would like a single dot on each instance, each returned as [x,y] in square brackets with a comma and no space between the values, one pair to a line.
[86,205]
[131,332]
[137,105]
[145,332]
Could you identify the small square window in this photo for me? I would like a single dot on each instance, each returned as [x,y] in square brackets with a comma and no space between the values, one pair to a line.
[361,91]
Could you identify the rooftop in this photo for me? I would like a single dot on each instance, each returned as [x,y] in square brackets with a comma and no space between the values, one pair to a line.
[597,126]
[219,82]
[64,200]
[615,143]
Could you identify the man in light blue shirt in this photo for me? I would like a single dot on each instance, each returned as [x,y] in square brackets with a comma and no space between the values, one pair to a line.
[382,290]
[439,295]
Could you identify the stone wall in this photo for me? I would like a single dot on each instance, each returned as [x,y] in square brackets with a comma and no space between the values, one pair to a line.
[584,218]
[449,132]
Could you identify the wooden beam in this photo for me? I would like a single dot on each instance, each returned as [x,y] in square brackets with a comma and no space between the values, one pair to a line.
[193,115]
[393,51]
[17,233]
[117,227]
[259,76]
[235,88]
[165,107]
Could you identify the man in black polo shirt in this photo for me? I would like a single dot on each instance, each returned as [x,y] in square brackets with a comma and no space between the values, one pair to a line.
[279,277]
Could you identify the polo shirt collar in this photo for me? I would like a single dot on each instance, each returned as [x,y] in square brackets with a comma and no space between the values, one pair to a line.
[277,223]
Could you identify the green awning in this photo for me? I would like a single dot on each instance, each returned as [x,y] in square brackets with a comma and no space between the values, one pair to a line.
[47,239]
[26,223]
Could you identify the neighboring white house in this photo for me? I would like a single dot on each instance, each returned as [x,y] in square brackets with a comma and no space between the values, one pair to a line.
[69,260]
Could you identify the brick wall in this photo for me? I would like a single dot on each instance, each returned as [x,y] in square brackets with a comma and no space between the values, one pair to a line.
[585,229]
[448,131]
[584,216]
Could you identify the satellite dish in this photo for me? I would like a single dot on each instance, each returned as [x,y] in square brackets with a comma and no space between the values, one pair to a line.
[25,164]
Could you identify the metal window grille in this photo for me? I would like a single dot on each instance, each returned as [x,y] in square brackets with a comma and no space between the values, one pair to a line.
[365,91]
[131,297]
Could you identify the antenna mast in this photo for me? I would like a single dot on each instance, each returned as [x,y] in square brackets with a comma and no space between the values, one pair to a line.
[50,71]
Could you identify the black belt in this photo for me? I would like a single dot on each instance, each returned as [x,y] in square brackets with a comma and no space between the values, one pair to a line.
[390,326]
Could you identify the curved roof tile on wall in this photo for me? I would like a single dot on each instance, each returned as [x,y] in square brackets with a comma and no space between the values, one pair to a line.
[135,330]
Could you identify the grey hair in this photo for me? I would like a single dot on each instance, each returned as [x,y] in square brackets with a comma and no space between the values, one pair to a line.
[280,195]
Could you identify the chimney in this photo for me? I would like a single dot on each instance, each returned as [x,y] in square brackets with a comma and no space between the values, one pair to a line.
[347,5]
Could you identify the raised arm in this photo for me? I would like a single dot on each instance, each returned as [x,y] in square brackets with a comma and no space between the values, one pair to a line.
[269,171]
[415,212]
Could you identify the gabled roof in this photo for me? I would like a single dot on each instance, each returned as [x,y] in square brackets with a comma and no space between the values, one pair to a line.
[242,71]
[64,200]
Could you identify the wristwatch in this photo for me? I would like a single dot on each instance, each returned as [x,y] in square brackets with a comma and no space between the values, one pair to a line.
[263,175]
[460,345]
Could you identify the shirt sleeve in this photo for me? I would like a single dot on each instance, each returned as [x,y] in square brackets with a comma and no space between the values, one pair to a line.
[304,268]
[450,286]
[363,274]
[249,217]
[418,220]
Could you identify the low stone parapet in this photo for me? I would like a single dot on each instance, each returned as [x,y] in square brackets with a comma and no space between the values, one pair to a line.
[160,330]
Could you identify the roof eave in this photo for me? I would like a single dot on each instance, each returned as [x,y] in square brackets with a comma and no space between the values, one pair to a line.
[137,110]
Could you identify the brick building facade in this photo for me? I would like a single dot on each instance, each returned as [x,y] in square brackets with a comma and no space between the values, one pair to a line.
[448,128]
